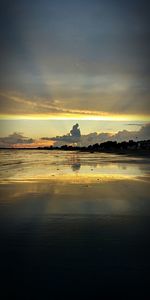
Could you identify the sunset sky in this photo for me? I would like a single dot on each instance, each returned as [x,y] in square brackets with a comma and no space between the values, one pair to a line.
[67,62]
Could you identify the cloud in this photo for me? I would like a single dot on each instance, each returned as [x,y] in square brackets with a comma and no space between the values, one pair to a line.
[145,131]
[75,137]
[109,94]
[75,131]
[125,135]
[72,137]
[15,139]
[95,58]
[135,124]
[93,138]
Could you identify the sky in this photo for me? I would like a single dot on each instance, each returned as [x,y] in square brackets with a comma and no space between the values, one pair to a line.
[67,62]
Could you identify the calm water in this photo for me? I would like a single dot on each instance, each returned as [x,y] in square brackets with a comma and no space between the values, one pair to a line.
[74,224]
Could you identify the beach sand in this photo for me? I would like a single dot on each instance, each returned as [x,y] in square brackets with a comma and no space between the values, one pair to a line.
[79,229]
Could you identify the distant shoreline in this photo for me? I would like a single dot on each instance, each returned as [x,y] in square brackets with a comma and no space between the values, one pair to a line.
[130,148]
[137,153]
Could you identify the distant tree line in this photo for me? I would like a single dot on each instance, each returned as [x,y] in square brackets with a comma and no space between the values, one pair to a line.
[106,146]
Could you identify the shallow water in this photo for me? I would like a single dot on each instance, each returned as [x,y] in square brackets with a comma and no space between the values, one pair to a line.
[21,165]
[73,223]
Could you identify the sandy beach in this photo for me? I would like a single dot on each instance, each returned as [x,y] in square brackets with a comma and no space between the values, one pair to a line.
[74,219]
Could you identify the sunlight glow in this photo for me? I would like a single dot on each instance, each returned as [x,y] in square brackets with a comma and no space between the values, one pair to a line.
[88,115]
[72,178]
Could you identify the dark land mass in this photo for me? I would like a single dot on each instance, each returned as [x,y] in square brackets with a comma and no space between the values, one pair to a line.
[139,148]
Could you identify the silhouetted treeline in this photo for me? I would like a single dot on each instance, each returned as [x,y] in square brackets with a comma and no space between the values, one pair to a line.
[106,146]
[109,146]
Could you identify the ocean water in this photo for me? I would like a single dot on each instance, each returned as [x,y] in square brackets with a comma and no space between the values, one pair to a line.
[74,224]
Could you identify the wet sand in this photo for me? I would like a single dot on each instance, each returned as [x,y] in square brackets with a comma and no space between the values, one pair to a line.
[74,225]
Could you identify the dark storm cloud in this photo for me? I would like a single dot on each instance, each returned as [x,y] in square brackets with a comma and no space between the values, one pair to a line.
[47,45]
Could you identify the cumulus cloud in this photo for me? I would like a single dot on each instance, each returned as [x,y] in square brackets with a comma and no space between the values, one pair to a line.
[15,139]
[125,135]
[70,138]
[75,131]
[75,137]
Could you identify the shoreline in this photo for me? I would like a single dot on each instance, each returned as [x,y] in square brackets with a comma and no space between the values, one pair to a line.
[135,152]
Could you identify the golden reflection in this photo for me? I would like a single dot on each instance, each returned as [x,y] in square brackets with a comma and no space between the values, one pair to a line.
[74,178]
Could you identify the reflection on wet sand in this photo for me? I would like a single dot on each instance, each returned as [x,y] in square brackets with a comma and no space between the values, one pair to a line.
[27,165]
[73,222]
[74,183]
[64,197]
